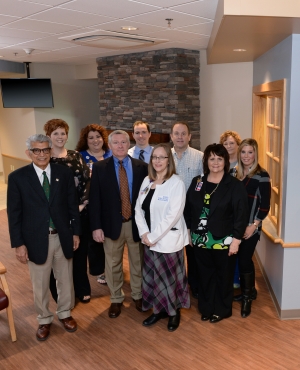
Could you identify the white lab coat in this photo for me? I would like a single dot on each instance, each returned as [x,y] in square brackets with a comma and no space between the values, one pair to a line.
[166,213]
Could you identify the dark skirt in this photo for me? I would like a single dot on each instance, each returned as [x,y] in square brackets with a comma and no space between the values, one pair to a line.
[165,286]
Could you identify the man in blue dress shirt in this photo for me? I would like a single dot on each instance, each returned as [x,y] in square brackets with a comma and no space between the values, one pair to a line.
[141,134]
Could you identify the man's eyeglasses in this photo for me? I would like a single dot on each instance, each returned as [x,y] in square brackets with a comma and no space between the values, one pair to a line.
[37,151]
[159,159]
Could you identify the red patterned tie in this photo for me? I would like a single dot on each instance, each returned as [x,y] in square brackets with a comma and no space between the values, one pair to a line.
[124,191]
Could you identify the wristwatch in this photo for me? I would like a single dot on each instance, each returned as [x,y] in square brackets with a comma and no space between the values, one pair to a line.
[256,225]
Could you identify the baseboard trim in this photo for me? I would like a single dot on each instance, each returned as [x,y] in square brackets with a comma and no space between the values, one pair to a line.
[273,296]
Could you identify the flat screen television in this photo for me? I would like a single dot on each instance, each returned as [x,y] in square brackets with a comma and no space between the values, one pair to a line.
[26,93]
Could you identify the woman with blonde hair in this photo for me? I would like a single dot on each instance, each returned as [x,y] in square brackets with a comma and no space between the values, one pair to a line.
[159,218]
[231,140]
[257,184]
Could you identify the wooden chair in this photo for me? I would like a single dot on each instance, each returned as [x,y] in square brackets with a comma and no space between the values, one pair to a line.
[9,307]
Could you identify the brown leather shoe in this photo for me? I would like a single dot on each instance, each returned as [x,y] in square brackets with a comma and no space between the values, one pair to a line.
[138,304]
[69,324]
[114,310]
[43,332]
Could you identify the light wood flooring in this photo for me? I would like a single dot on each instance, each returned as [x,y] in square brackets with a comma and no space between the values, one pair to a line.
[260,341]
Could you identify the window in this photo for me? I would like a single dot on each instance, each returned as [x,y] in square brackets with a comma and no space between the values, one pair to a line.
[268,130]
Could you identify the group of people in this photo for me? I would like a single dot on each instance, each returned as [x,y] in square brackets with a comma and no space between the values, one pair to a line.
[86,204]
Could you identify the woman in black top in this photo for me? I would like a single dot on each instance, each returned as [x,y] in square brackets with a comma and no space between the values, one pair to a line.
[216,214]
[57,130]
[257,184]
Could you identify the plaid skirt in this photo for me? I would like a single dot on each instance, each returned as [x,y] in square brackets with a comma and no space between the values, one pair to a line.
[165,285]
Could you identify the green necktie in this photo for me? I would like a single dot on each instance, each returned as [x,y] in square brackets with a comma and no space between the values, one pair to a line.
[46,187]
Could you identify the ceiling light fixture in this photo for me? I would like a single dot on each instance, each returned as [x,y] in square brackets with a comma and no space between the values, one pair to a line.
[129,28]
[239,50]
[169,20]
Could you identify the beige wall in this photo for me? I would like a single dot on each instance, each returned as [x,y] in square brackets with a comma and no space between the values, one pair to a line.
[225,99]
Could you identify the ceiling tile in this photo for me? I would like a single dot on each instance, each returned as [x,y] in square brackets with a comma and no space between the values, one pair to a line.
[205,8]
[143,28]
[41,26]
[65,16]
[158,18]
[110,8]
[5,19]
[165,3]
[203,28]
[48,2]
[20,8]
[22,34]
[174,35]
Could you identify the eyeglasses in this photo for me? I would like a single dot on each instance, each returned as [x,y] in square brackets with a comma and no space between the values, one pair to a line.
[37,151]
[159,159]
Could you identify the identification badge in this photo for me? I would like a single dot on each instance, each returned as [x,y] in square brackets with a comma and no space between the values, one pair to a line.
[198,185]
[163,198]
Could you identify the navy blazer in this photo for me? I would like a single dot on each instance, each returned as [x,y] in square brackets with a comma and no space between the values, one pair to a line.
[228,213]
[29,211]
[105,207]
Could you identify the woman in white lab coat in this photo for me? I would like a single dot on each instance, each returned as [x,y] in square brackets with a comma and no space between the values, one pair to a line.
[159,217]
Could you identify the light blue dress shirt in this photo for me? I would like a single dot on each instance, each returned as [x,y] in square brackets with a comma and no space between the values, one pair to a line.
[128,168]
[134,152]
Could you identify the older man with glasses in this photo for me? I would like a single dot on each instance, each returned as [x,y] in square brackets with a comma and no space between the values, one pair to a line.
[44,225]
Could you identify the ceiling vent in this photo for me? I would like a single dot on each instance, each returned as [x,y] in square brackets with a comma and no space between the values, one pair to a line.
[112,40]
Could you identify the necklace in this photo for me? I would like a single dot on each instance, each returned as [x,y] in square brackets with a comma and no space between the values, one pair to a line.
[207,196]
[97,155]
[214,189]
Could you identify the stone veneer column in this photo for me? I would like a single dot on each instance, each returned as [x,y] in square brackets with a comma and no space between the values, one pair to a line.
[160,87]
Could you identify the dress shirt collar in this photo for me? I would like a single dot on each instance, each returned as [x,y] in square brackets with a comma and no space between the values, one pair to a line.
[183,154]
[39,171]
[148,149]
[124,161]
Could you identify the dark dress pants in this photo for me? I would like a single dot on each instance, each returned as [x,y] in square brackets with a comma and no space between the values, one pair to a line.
[96,256]
[216,271]
[192,270]
[246,251]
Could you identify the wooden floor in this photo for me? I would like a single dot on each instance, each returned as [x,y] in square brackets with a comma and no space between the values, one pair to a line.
[261,341]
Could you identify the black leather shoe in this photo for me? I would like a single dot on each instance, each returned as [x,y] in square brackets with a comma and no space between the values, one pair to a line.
[151,320]
[114,310]
[246,307]
[205,317]
[138,304]
[215,318]
[174,321]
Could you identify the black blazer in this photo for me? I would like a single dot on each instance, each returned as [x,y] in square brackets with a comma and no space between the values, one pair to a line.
[29,211]
[228,212]
[105,200]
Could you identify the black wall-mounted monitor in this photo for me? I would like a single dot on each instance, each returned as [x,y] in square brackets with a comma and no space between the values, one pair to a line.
[26,93]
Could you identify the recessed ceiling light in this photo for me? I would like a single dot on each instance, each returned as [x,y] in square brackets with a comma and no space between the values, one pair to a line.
[239,50]
[129,28]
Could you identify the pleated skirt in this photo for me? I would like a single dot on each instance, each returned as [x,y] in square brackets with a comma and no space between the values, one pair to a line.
[165,285]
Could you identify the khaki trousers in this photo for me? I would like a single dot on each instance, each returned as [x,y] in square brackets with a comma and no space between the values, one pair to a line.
[40,277]
[114,250]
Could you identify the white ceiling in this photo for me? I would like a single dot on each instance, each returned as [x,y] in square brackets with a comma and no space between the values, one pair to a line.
[40,25]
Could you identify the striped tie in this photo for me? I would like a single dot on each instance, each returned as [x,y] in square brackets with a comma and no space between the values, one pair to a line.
[141,156]
[46,187]
[124,191]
